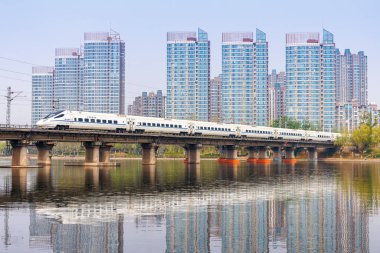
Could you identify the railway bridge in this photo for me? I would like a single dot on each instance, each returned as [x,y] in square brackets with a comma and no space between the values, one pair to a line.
[99,143]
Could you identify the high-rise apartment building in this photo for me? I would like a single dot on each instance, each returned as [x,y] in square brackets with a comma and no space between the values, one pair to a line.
[351,89]
[104,73]
[148,105]
[351,77]
[215,99]
[42,92]
[310,78]
[188,75]
[245,78]
[276,95]
[68,79]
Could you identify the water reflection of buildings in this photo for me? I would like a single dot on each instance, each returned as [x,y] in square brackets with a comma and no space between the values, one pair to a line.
[292,208]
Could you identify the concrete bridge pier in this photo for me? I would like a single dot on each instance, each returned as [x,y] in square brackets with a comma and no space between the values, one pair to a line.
[312,154]
[149,153]
[193,153]
[92,152]
[19,153]
[44,152]
[104,153]
[276,153]
[263,155]
[289,155]
[229,154]
[252,154]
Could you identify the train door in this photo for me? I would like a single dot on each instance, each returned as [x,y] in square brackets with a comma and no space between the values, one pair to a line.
[238,131]
[275,134]
[131,126]
[191,128]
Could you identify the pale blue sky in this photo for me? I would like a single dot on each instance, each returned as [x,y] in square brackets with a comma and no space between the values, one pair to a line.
[31,30]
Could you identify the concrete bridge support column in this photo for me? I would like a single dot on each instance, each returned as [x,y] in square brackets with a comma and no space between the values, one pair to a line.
[19,153]
[149,153]
[44,152]
[104,153]
[263,155]
[312,154]
[252,154]
[92,152]
[276,153]
[229,154]
[289,155]
[193,153]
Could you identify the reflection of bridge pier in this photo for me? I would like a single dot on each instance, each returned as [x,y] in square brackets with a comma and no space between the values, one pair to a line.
[193,173]
[91,177]
[149,174]
[19,182]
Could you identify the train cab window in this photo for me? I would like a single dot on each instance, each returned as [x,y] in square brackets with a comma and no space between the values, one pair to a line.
[149,124]
[98,121]
[80,119]
[93,120]
[86,120]
[59,116]
[104,121]
[115,121]
[109,121]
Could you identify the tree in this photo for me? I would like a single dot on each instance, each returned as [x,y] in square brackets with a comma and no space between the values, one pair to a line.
[362,138]
[343,140]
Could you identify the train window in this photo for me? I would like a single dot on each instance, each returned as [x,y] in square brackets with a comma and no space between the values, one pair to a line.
[80,119]
[171,125]
[149,124]
[109,121]
[104,121]
[175,126]
[86,120]
[158,124]
[180,126]
[115,121]
[93,120]
[144,124]
[98,121]
[167,125]
[154,124]
[75,119]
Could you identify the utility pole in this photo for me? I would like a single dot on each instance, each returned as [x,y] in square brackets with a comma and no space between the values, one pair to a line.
[11,95]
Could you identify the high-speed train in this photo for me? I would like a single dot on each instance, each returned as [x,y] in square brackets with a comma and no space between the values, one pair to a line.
[62,120]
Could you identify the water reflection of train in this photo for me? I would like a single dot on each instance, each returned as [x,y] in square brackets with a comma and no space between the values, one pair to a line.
[63,120]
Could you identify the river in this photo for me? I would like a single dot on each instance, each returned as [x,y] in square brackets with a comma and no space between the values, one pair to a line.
[175,207]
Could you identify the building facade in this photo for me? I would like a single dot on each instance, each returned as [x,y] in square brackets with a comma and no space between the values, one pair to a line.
[188,75]
[68,79]
[351,90]
[148,105]
[276,95]
[42,92]
[104,73]
[245,78]
[310,78]
[215,99]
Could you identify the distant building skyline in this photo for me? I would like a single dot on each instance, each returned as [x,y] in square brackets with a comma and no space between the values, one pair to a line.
[148,105]
[215,99]
[276,95]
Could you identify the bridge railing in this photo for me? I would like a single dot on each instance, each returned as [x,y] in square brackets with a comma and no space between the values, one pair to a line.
[17,126]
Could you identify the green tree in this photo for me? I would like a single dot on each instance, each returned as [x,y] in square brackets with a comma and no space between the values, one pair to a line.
[343,140]
[362,138]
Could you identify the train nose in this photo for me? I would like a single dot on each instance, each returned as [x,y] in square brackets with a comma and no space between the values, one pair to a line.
[40,122]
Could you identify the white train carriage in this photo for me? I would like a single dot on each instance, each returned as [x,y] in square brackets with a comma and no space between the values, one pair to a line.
[258,132]
[158,125]
[215,129]
[291,134]
[84,120]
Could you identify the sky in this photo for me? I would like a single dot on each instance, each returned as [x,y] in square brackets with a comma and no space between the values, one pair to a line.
[31,30]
